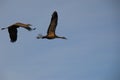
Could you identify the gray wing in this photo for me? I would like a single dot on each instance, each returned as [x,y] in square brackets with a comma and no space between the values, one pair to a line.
[53,23]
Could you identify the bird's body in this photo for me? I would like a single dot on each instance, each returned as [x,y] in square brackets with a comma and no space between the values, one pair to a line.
[12,29]
[51,29]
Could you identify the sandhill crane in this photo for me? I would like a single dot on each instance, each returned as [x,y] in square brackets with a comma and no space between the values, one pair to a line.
[52,27]
[12,29]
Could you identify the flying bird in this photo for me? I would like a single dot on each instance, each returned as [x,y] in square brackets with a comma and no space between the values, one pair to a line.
[12,29]
[51,29]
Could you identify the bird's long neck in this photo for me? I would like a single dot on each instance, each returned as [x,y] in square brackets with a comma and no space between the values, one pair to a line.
[43,37]
[61,37]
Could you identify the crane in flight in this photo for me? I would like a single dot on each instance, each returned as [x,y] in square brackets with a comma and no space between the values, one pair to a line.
[12,29]
[51,29]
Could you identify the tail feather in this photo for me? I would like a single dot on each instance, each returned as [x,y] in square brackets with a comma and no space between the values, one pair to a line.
[39,36]
[33,28]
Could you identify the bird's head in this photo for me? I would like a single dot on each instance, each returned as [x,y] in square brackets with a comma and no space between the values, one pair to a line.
[64,38]
[61,37]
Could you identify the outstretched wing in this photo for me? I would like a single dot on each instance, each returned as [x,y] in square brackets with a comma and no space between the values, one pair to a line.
[12,33]
[53,23]
[26,26]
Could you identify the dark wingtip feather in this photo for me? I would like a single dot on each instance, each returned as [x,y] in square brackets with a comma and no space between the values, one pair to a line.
[30,29]
[13,41]
[55,13]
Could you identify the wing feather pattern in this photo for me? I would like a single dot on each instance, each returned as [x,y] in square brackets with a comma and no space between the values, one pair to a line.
[12,34]
[53,23]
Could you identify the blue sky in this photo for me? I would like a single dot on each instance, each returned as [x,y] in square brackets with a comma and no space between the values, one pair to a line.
[90,53]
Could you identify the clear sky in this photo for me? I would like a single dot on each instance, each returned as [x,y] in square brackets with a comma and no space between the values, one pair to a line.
[91,51]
